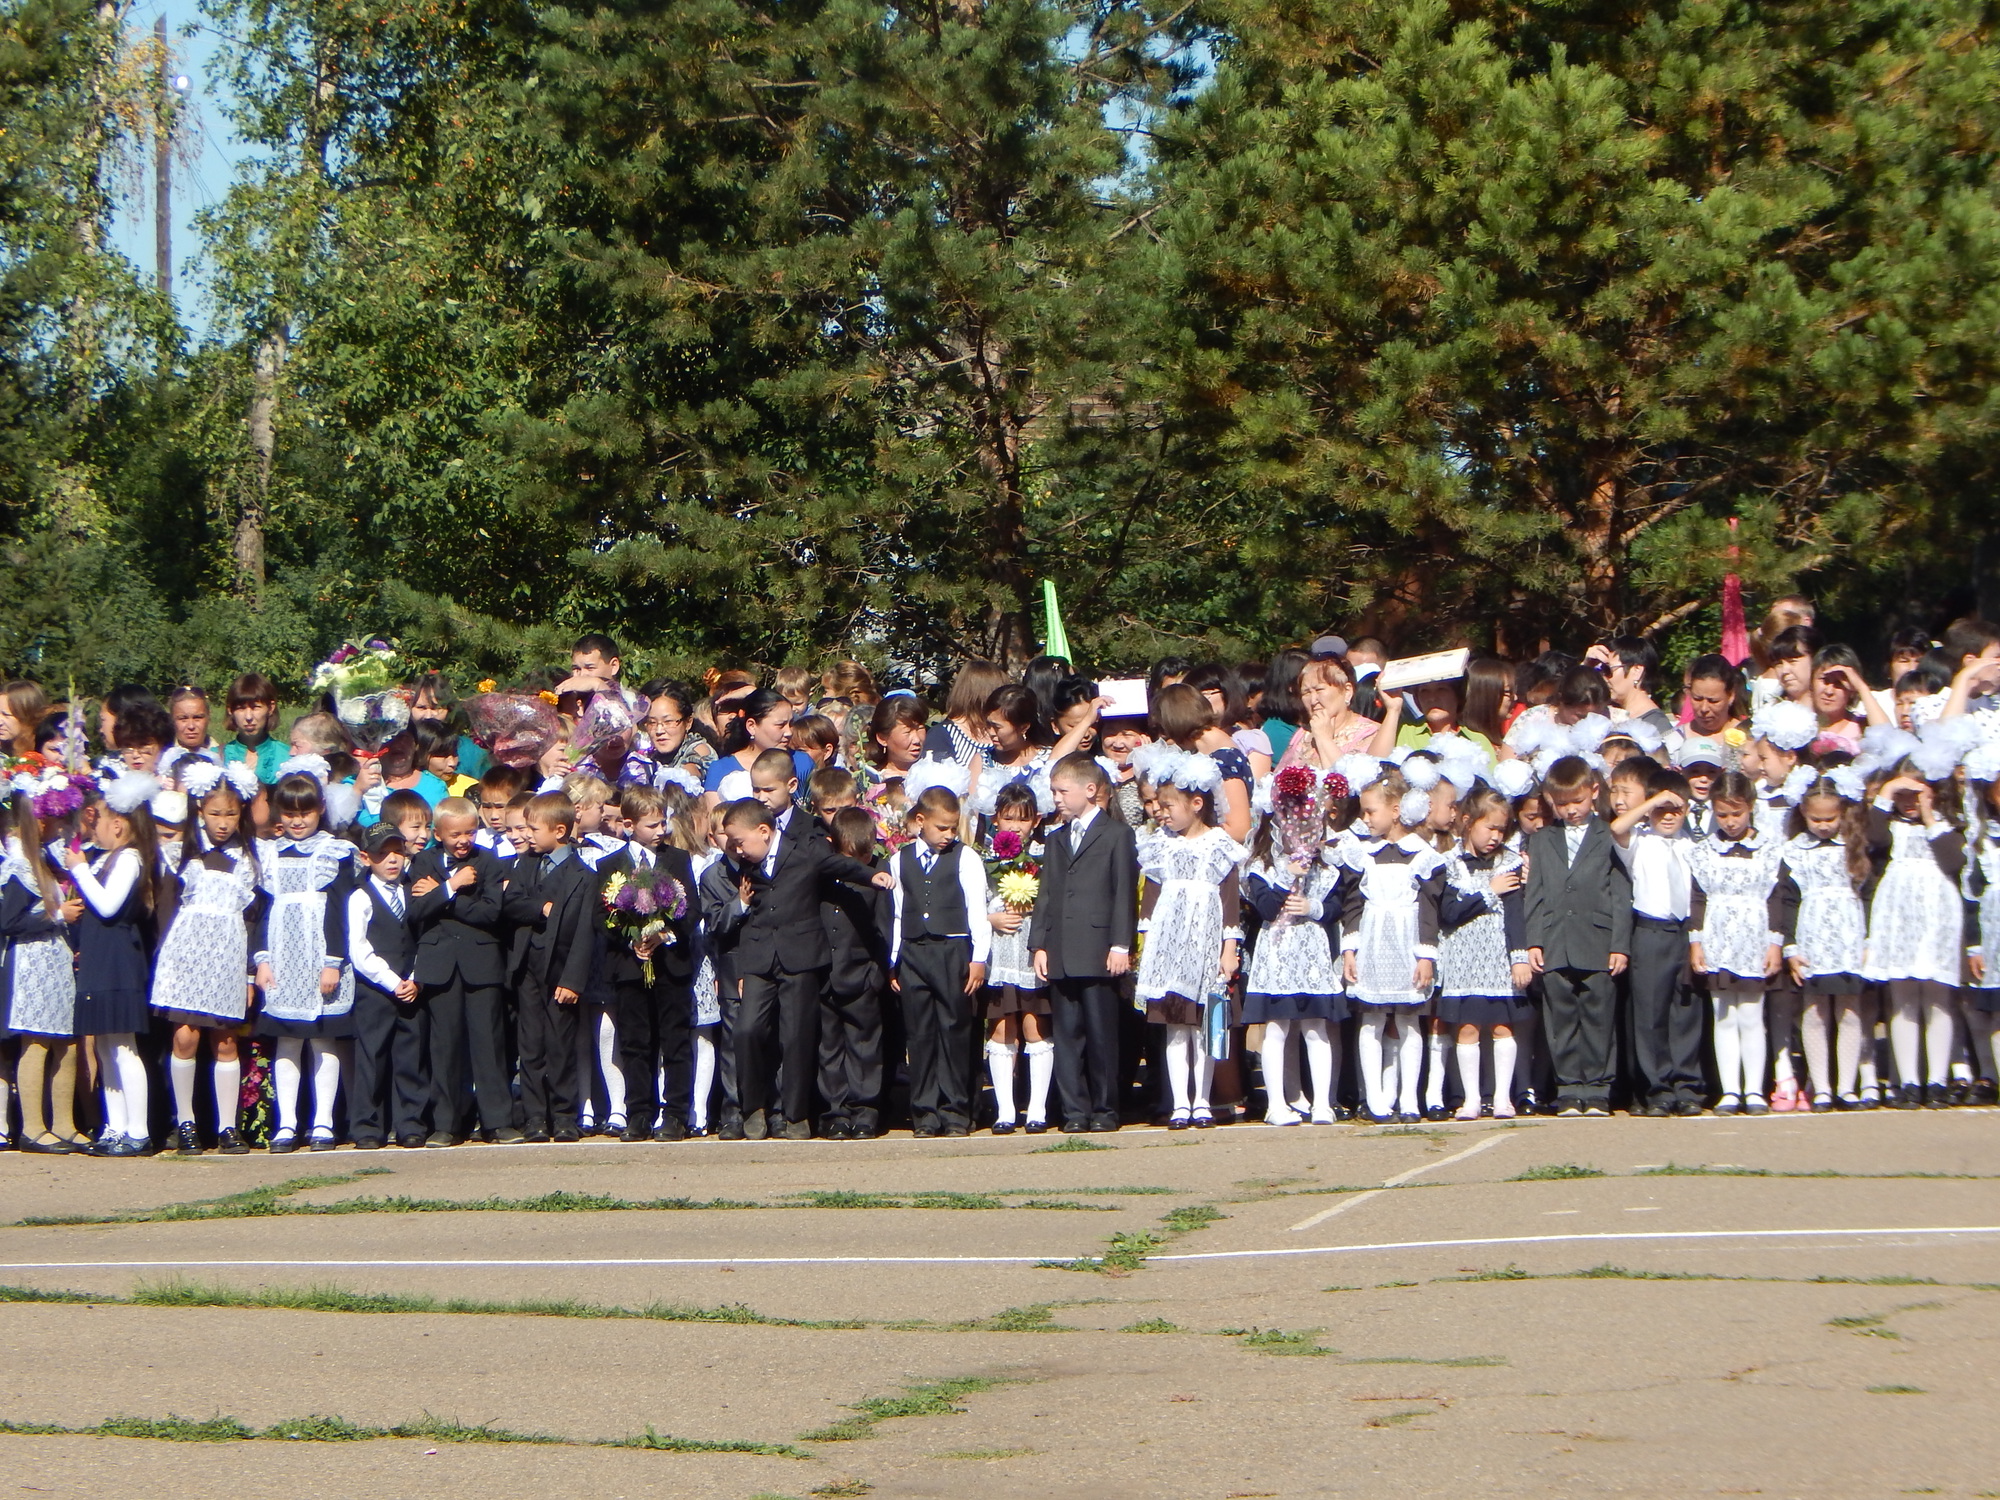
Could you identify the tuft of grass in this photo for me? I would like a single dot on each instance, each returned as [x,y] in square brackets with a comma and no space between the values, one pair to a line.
[930,1398]
[1869,1320]
[1398,1418]
[1100,1192]
[1897,1390]
[256,1202]
[977,1455]
[843,1489]
[319,1428]
[1072,1143]
[1508,1272]
[1152,1325]
[1555,1171]
[1456,1362]
[1674,1169]
[36,1294]
[1608,1272]
[1279,1341]
[1193,1216]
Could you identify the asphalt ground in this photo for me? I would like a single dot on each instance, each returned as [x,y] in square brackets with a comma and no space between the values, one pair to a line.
[1784,1305]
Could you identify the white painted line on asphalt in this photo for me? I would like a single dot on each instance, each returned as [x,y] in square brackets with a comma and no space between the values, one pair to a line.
[993,1260]
[1401,1177]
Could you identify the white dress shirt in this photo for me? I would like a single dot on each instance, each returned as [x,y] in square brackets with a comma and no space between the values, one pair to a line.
[369,964]
[1662,885]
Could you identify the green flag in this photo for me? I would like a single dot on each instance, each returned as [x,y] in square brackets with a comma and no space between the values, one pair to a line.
[1055,640]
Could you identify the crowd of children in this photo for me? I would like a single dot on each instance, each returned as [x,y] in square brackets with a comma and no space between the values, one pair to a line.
[806,907]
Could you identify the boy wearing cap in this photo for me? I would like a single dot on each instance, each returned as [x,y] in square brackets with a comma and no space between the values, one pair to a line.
[1701,761]
[391,1032]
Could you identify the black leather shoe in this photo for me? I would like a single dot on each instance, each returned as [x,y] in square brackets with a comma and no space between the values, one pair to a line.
[567,1135]
[187,1140]
[48,1145]
[956,1130]
[1104,1125]
[1436,1112]
[1003,1127]
[755,1127]
[229,1143]
[634,1133]
[442,1138]
[363,1143]
[1938,1096]
[411,1142]
[535,1137]
[1036,1127]
[507,1135]
[732,1130]
[1688,1109]
[1909,1096]
[798,1130]
[1074,1127]
[672,1128]
[284,1141]
[923,1132]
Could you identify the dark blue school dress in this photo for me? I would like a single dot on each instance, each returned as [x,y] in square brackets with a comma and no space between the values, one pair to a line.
[113,974]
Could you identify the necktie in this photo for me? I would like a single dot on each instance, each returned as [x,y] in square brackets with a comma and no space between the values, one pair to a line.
[927,858]
[396,899]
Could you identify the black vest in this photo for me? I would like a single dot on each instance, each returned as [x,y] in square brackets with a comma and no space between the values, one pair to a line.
[933,904]
[390,935]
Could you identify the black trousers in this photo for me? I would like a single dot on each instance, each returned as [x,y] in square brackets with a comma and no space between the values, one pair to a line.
[548,1056]
[778,1021]
[654,1031]
[469,1056]
[1579,1024]
[850,1054]
[390,1042]
[1086,1038]
[1668,1014]
[938,1029]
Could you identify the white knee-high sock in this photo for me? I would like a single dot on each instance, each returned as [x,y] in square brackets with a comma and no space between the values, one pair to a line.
[1728,1046]
[228,1094]
[1434,1084]
[180,1073]
[1813,1034]
[1505,1050]
[1847,1043]
[1468,1073]
[607,1064]
[1041,1072]
[1273,1054]
[1000,1059]
[1410,1062]
[137,1086]
[1750,1031]
[1322,1062]
[1204,1068]
[1295,1091]
[1368,1043]
[704,1076]
[285,1076]
[111,1082]
[1940,1030]
[1905,1001]
[1180,1065]
[328,1055]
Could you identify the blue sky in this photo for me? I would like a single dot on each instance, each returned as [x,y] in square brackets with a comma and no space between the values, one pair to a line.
[199,184]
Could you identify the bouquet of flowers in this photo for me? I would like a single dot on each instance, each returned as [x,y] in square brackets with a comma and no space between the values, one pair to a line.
[1297,813]
[51,788]
[639,906]
[517,728]
[1015,874]
[367,695]
[608,726]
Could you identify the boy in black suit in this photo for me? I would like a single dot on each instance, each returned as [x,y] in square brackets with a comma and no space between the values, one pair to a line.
[552,901]
[391,1033]
[461,974]
[850,1025]
[1086,920]
[654,1016]
[938,948]
[1579,916]
[781,956]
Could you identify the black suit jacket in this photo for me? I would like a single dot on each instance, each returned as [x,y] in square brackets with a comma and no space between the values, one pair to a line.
[1580,914]
[676,960]
[857,934]
[458,932]
[781,929]
[1089,898]
[556,950]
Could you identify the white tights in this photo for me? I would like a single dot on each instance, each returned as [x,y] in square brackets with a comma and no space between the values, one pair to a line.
[1322,1049]
[1390,1077]
[1189,1067]
[704,1076]
[1505,1050]
[121,1074]
[1920,1012]
[329,1056]
[1739,1033]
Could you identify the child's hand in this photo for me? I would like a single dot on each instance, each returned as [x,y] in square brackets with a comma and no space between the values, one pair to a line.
[565,997]
[1117,963]
[71,911]
[424,887]
[1523,976]
[744,890]
[265,978]
[1295,905]
[1798,966]
[1773,961]
[73,856]
[1006,921]
[1505,881]
[1229,958]
[882,880]
[1535,964]
[1348,971]
[329,981]
[895,982]
[368,775]
[547,907]
[1618,964]
[407,991]
[462,877]
[1698,958]
[1042,965]
[975,976]
[1424,977]
[1976,965]
[646,947]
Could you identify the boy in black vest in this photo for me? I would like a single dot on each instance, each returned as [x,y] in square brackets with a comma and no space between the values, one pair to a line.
[461,974]
[781,956]
[1579,915]
[552,901]
[391,1034]
[939,940]
[1086,920]
[655,1015]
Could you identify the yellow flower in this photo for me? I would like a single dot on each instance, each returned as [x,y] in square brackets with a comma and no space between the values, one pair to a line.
[1019,889]
[548,697]
[1734,736]
[486,684]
